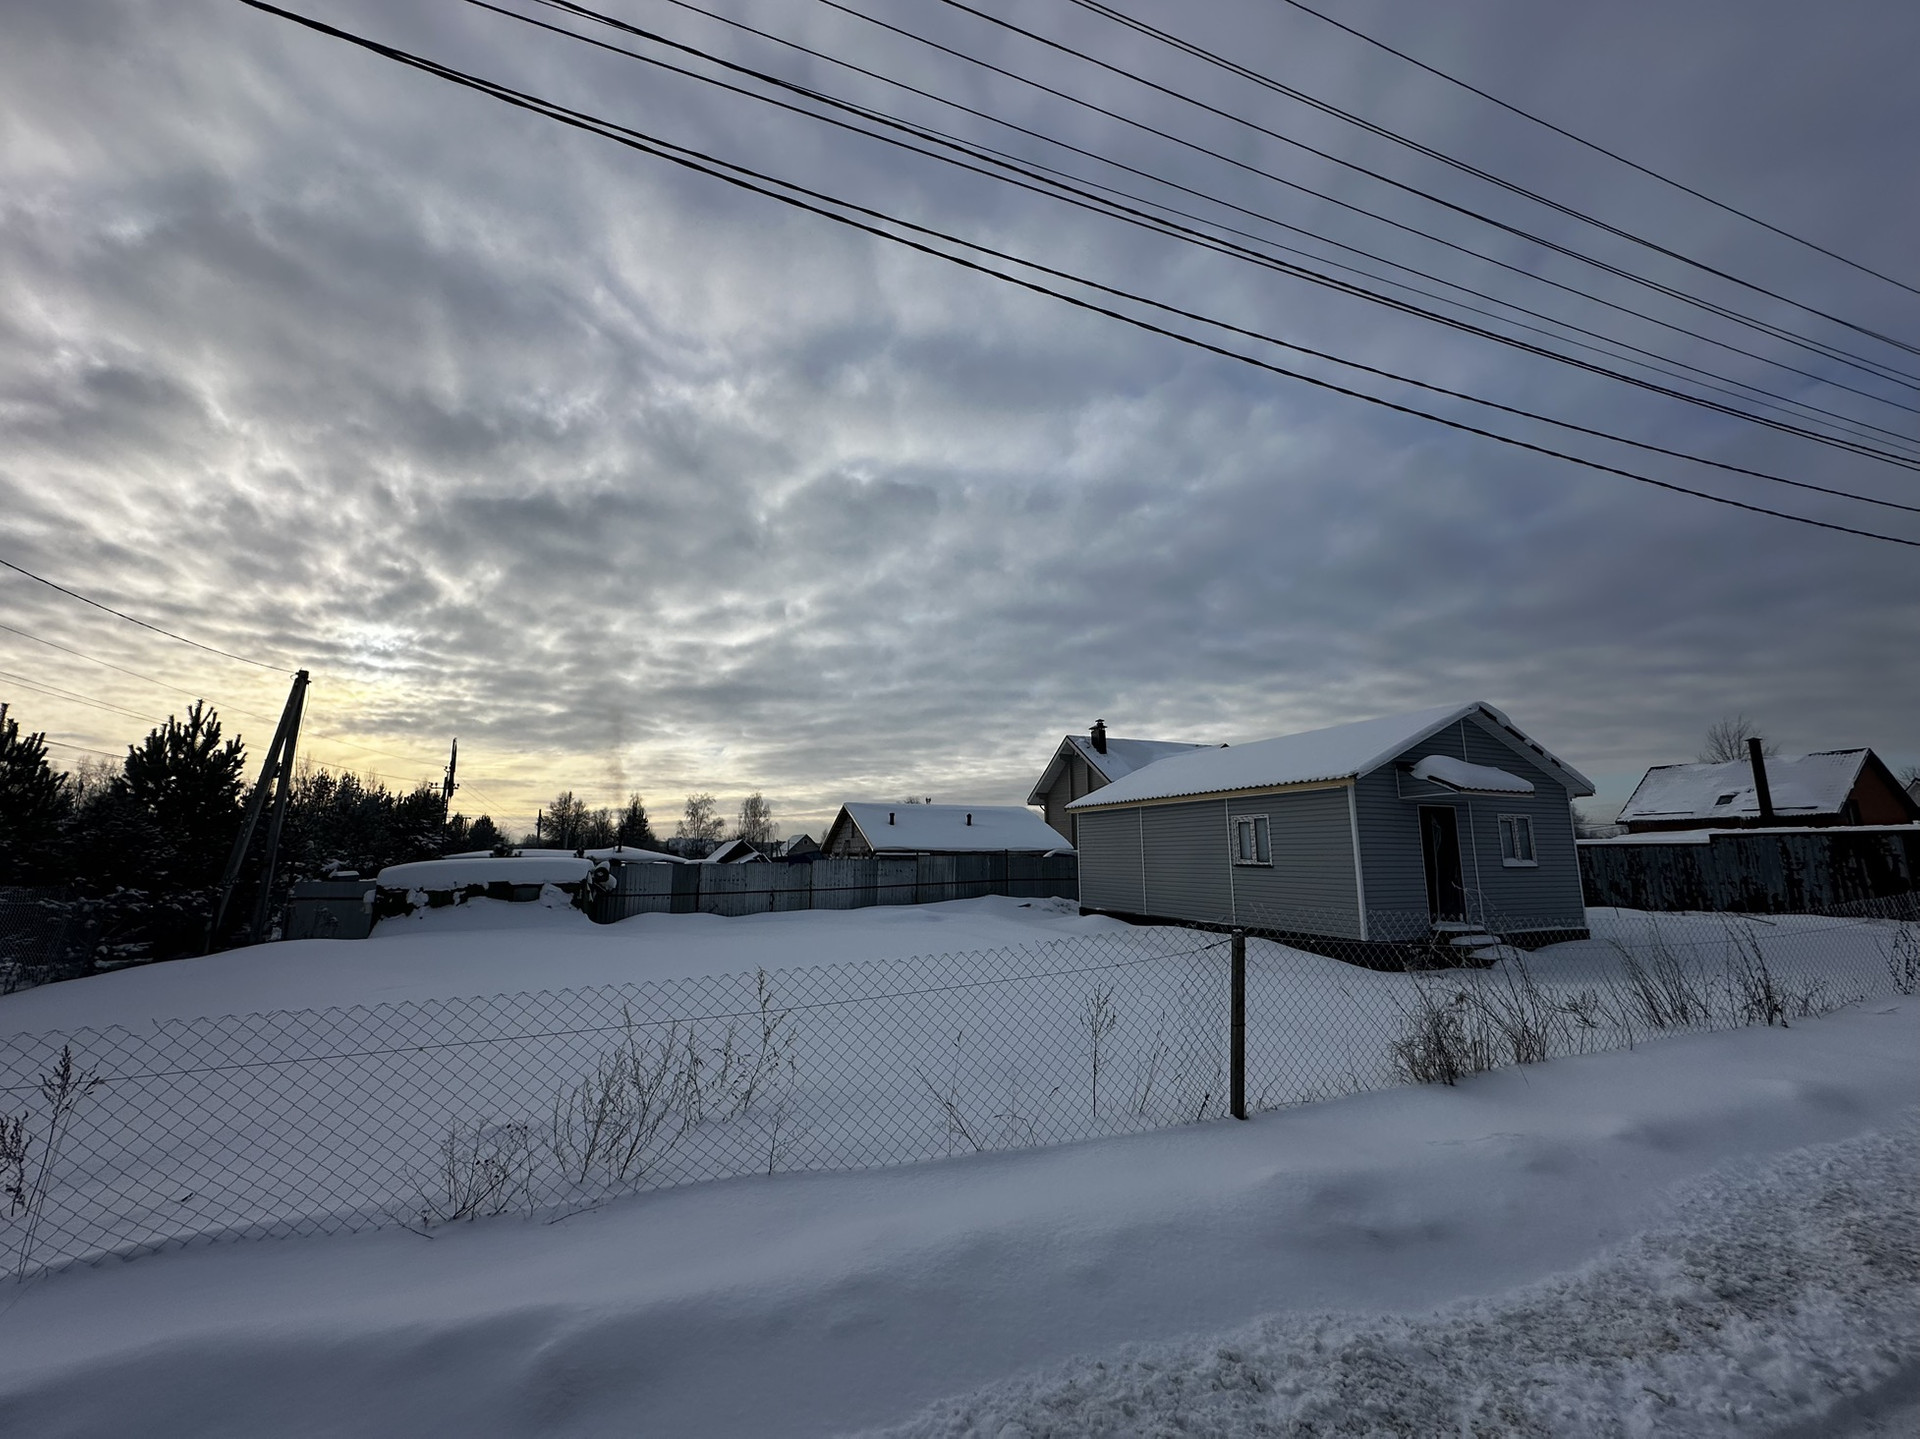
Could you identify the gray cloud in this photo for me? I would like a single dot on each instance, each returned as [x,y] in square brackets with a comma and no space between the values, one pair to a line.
[634,481]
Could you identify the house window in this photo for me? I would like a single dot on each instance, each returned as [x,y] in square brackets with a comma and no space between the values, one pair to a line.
[1252,842]
[1516,840]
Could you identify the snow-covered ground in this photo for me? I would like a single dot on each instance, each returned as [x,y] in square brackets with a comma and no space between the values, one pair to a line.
[488,947]
[986,1025]
[1708,1235]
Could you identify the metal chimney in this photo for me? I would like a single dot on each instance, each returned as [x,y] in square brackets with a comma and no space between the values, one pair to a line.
[1760,790]
[1099,736]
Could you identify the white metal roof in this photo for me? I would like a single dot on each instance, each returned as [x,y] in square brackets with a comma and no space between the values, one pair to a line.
[948,828]
[509,869]
[1339,752]
[1799,785]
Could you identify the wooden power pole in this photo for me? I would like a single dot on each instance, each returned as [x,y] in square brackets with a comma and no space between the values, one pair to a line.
[276,771]
[448,785]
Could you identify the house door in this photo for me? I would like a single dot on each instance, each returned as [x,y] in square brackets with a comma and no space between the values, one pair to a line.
[1440,843]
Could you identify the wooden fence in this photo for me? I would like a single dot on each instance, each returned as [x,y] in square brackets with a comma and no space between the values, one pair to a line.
[1753,871]
[736,889]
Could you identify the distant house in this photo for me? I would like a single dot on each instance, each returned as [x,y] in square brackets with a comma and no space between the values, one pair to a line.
[908,829]
[1831,787]
[794,846]
[1085,763]
[738,851]
[1444,821]
[1913,789]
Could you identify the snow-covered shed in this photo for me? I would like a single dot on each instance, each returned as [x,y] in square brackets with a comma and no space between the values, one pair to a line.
[1385,830]
[1084,763]
[902,829]
[1830,787]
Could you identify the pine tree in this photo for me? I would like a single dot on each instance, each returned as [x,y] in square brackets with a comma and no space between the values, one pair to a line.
[633,829]
[188,784]
[35,801]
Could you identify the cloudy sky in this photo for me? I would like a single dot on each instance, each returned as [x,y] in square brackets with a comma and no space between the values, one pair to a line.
[634,481]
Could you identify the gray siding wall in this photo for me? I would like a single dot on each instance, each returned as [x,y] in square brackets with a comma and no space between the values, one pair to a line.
[1076,778]
[1186,851]
[1546,895]
[1110,870]
[1311,885]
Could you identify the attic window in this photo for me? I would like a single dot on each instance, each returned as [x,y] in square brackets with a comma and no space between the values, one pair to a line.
[1252,840]
[1727,798]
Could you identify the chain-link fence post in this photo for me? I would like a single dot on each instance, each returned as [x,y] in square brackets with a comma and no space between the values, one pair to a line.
[1237,1057]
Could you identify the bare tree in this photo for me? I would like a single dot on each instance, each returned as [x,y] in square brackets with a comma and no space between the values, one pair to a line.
[1727,740]
[756,819]
[701,824]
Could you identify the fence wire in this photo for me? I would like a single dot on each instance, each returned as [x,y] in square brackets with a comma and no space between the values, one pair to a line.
[121,1142]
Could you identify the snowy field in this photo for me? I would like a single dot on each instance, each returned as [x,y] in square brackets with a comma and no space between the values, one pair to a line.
[470,1097]
[1709,1235]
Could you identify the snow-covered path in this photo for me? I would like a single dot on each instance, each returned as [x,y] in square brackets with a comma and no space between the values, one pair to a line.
[815,1304]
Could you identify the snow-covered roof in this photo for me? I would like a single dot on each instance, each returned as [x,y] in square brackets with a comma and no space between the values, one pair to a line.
[735,851]
[459,873]
[950,828]
[1339,752]
[632,854]
[1121,758]
[1799,785]
[1457,774]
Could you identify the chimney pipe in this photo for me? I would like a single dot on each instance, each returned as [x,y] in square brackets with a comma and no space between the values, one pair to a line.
[1099,736]
[1760,790]
[969,819]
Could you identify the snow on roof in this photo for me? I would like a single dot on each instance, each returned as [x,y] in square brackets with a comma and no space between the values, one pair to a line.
[632,854]
[1457,774]
[735,851]
[948,828]
[1338,752]
[459,873]
[1799,784]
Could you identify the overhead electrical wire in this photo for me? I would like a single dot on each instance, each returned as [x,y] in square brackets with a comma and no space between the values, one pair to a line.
[1161,226]
[223,706]
[1339,203]
[1187,47]
[1600,149]
[745,178]
[144,624]
[1765,326]
[1654,360]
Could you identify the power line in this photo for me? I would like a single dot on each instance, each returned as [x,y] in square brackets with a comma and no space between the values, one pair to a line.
[132,619]
[1178,232]
[84,749]
[702,163]
[1599,149]
[1714,381]
[1465,167]
[1348,205]
[1713,306]
[55,692]
[224,706]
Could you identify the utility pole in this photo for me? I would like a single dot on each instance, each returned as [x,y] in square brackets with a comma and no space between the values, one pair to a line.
[447,785]
[276,770]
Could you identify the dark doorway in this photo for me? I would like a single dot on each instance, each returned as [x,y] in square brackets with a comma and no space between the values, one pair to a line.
[1440,843]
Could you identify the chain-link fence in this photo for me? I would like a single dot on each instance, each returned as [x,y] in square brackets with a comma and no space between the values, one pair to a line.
[120,1142]
[41,938]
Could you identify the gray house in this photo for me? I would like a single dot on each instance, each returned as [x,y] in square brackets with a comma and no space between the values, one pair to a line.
[1445,822]
[1085,763]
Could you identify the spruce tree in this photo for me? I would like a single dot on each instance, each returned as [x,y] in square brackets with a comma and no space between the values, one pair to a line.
[35,801]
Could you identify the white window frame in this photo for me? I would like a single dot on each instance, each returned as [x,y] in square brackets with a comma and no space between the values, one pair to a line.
[1259,832]
[1511,828]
